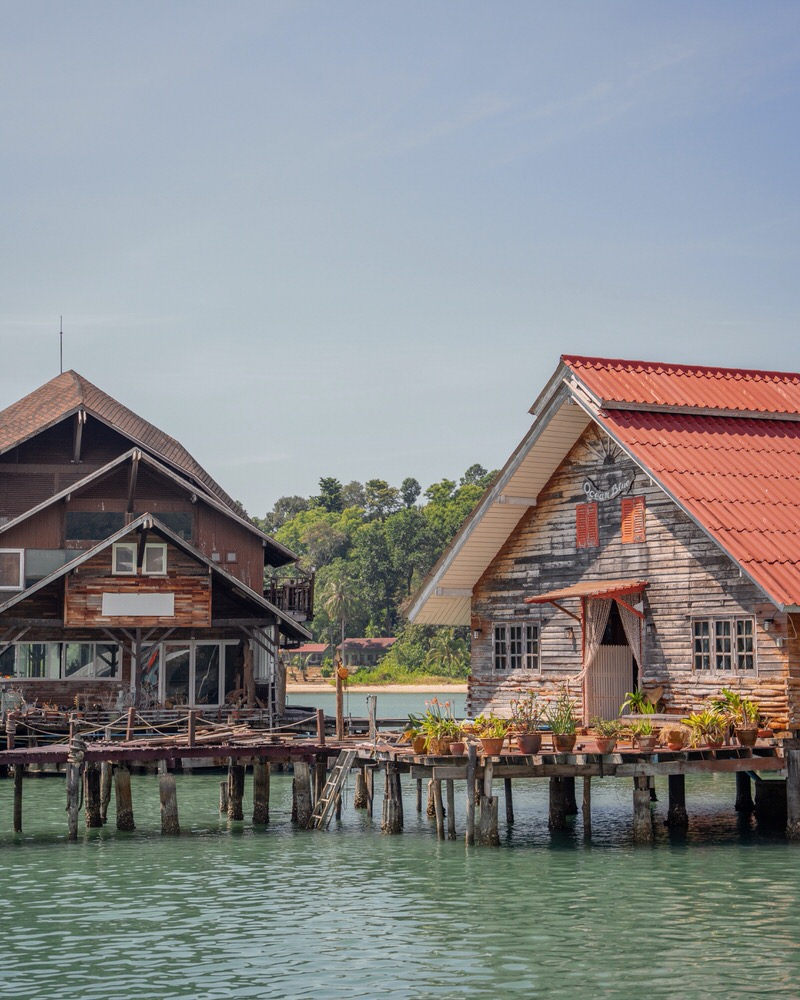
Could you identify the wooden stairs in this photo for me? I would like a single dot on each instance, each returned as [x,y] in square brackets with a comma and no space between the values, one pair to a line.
[326,803]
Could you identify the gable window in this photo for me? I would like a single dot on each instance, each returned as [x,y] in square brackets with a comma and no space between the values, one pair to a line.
[123,559]
[632,519]
[155,559]
[516,646]
[12,575]
[587,534]
[724,644]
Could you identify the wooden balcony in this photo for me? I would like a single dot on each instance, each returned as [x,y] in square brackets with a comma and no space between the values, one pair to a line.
[292,596]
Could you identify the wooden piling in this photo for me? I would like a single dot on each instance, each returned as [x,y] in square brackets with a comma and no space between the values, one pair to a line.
[677,817]
[451,809]
[261,784]
[570,802]
[509,801]
[123,799]
[438,809]
[489,835]
[430,811]
[320,776]
[557,819]
[19,770]
[744,793]
[369,777]
[168,794]
[129,726]
[73,799]
[106,778]
[642,817]
[91,797]
[302,793]
[792,794]
[586,807]
[360,795]
[392,819]
[223,796]
[321,727]
[472,767]
[419,795]
[235,791]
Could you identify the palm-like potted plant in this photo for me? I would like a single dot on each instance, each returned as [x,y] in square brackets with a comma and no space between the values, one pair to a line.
[560,715]
[742,713]
[707,726]
[439,726]
[491,731]
[606,733]
[644,734]
[526,717]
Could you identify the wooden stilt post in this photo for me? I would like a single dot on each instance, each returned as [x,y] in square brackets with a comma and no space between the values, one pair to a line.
[261,793]
[19,770]
[123,799]
[557,819]
[235,791]
[431,808]
[451,809]
[339,703]
[570,802]
[419,795]
[439,808]
[360,795]
[472,767]
[91,796]
[642,818]
[369,777]
[168,794]
[392,820]
[320,775]
[587,807]
[509,801]
[792,794]
[191,725]
[106,777]
[129,727]
[677,816]
[744,793]
[489,835]
[302,793]
[223,796]
[73,798]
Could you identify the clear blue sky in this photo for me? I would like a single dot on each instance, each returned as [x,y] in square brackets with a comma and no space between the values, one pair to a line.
[353,238]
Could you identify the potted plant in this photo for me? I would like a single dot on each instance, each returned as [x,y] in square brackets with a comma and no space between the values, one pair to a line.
[741,713]
[414,733]
[563,724]
[606,733]
[637,703]
[675,737]
[440,727]
[644,734]
[526,716]
[707,726]
[491,731]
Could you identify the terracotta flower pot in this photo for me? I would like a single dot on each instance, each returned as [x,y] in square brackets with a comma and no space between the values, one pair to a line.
[605,744]
[646,743]
[747,735]
[529,743]
[492,745]
[458,748]
[564,742]
[419,743]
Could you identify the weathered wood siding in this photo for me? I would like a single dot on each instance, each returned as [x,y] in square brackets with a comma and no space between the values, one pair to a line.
[218,533]
[186,579]
[688,576]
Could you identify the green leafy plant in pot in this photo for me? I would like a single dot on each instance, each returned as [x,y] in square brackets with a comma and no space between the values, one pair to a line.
[560,715]
[741,713]
[491,730]
[526,717]
[606,733]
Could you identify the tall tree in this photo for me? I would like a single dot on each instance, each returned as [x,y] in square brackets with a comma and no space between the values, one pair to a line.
[330,494]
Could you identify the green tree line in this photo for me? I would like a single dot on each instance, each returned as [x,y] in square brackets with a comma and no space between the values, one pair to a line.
[371,545]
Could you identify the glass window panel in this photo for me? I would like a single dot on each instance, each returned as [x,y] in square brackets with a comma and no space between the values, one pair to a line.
[7,662]
[106,660]
[206,674]
[515,646]
[78,659]
[39,660]
[125,558]
[176,674]
[11,569]
[155,559]
[500,648]
[233,668]
[151,675]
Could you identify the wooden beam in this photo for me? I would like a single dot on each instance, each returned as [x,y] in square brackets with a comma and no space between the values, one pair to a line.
[133,475]
[80,420]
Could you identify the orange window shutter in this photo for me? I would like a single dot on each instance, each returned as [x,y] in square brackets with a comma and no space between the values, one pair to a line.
[633,519]
[592,530]
[580,525]
[638,519]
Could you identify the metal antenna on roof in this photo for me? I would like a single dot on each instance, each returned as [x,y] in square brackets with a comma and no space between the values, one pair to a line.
[61,343]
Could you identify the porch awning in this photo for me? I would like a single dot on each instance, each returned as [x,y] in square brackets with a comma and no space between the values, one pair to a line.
[591,588]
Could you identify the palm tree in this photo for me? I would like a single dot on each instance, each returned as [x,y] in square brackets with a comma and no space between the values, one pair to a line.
[338,600]
[447,655]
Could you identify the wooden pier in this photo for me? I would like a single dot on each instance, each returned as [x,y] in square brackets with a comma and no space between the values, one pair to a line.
[93,765]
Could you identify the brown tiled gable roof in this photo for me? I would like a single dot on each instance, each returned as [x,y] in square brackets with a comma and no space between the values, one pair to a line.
[66,394]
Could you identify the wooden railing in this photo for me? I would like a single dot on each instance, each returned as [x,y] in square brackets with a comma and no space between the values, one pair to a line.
[292,596]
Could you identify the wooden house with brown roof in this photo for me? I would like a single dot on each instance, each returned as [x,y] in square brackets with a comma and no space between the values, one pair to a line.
[644,535]
[127,574]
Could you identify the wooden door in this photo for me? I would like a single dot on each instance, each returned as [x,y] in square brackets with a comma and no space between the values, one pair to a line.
[608,680]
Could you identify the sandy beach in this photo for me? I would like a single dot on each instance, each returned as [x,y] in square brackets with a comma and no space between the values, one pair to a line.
[380,688]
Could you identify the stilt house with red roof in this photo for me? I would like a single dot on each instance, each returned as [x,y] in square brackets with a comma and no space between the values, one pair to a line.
[645,535]
[127,574]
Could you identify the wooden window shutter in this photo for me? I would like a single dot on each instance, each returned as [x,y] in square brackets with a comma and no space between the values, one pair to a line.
[586,530]
[633,519]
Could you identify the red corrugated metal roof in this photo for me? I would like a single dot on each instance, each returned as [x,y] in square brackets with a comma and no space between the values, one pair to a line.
[738,477]
[645,383]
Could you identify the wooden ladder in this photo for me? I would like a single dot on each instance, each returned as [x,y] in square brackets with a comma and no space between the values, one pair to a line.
[326,803]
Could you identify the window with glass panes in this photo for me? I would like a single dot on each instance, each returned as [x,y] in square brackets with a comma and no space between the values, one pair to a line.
[516,646]
[724,644]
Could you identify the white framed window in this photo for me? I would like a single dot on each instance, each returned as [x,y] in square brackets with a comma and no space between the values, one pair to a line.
[123,558]
[516,646]
[155,559]
[725,644]
[62,660]
[12,569]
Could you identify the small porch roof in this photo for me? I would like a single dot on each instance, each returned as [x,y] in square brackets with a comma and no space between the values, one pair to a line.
[590,588]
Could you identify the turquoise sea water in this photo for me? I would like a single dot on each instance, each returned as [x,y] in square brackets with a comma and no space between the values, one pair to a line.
[227,910]
[389,705]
